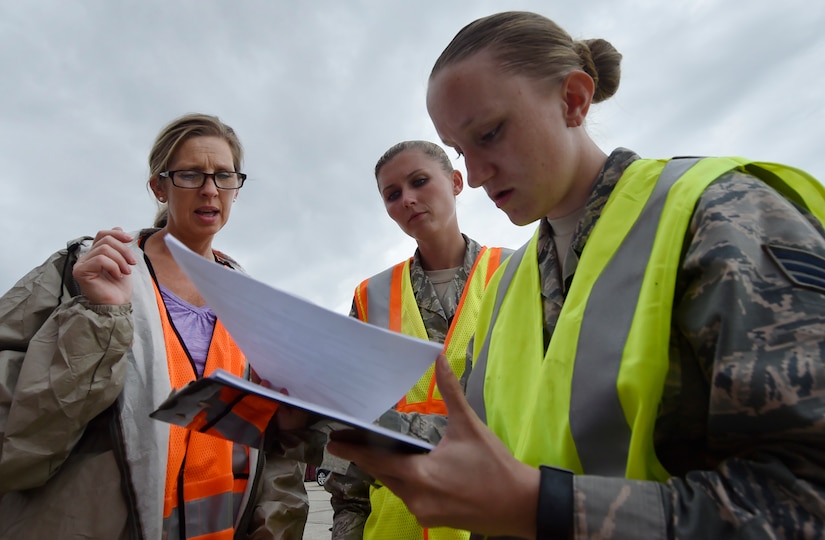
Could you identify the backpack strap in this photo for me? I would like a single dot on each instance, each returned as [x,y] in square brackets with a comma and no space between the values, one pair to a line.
[67,281]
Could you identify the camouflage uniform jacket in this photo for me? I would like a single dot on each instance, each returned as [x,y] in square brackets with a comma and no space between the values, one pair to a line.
[350,492]
[741,424]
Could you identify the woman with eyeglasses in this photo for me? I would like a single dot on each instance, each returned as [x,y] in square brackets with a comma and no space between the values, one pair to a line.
[95,338]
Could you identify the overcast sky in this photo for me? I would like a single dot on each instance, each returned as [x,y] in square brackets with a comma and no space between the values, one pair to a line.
[318,90]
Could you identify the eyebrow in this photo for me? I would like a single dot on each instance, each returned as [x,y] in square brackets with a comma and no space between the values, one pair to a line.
[415,173]
[466,123]
[217,168]
[190,166]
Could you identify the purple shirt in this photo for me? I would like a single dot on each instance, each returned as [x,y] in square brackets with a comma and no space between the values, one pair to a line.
[194,324]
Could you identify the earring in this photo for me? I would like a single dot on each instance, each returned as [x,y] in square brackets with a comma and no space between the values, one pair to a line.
[162,199]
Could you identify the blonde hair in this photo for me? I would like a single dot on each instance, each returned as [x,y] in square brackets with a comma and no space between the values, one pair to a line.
[428,148]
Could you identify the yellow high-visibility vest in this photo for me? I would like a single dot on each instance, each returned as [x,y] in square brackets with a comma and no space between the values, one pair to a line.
[589,402]
[388,300]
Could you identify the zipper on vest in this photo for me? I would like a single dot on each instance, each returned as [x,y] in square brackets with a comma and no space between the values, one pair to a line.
[181,499]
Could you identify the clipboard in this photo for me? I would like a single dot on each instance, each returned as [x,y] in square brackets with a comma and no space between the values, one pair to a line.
[233,408]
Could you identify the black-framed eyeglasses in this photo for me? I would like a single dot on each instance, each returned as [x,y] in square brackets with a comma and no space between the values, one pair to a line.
[196,179]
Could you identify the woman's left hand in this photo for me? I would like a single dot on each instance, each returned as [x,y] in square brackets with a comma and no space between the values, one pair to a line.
[469,481]
[286,417]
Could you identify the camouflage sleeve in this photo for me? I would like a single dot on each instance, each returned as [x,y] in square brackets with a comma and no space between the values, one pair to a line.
[350,491]
[282,505]
[753,328]
[427,427]
[350,500]
[305,445]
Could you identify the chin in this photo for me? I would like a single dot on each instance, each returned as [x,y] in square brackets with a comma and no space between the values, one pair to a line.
[521,220]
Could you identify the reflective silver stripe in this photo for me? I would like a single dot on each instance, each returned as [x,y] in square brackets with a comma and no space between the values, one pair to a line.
[378,298]
[236,428]
[203,516]
[240,459]
[238,502]
[209,515]
[220,417]
[170,525]
[243,500]
[240,469]
[597,421]
[475,383]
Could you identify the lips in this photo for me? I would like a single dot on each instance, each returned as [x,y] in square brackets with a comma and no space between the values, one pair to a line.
[208,215]
[501,197]
[415,216]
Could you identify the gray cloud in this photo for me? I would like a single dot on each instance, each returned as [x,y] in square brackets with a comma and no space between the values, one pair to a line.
[318,90]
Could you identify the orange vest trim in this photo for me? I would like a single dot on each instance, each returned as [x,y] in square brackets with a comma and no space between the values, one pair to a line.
[205,476]
[433,405]
[361,297]
[494,263]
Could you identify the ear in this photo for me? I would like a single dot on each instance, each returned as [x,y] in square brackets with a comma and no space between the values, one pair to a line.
[458,182]
[158,188]
[577,93]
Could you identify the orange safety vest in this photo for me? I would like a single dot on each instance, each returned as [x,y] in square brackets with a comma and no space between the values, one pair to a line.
[387,300]
[401,314]
[206,476]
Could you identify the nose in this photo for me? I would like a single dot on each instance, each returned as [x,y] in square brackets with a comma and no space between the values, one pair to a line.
[210,185]
[407,198]
[478,171]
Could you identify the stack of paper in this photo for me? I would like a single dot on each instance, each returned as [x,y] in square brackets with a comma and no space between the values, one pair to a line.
[329,364]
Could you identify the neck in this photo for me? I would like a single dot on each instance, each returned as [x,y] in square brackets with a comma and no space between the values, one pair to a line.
[202,247]
[443,251]
[591,163]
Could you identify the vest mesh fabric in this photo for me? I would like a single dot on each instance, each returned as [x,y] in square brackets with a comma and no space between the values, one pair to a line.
[207,465]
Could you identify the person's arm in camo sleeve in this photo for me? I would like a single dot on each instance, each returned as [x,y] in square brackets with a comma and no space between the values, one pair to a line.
[281,504]
[350,500]
[750,345]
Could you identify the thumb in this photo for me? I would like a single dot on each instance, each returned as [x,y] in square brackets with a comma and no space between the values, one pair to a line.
[451,391]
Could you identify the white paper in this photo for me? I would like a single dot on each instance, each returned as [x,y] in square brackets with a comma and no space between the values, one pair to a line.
[315,354]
